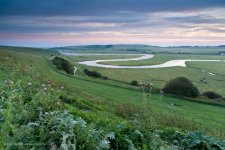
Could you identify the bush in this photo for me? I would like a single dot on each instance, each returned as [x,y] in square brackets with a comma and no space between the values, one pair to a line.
[93,74]
[181,86]
[211,95]
[63,64]
[105,78]
[134,83]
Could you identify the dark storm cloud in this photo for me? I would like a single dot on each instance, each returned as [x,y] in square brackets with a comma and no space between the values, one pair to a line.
[99,7]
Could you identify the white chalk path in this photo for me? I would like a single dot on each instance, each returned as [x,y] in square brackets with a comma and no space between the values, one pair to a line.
[171,63]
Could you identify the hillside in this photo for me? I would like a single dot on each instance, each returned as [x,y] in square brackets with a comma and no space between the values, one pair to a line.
[137,48]
[43,107]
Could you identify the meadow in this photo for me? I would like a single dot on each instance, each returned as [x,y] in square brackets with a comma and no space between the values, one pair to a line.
[195,71]
[114,100]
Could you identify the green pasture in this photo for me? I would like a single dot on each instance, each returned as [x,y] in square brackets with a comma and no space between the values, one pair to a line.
[195,71]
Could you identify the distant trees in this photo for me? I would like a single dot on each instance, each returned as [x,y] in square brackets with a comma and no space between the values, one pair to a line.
[94,74]
[181,86]
[63,64]
[91,73]
[211,95]
[134,83]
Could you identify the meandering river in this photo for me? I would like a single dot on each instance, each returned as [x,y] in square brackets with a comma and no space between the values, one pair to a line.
[95,63]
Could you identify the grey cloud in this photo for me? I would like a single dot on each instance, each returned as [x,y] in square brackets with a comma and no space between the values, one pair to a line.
[99,7]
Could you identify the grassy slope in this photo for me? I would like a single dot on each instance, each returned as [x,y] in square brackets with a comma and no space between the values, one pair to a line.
[110,92]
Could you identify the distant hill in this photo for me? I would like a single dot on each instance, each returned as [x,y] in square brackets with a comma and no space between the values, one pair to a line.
[139,48]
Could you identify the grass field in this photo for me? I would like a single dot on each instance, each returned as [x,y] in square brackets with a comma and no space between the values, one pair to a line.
[195,71]
[98,99]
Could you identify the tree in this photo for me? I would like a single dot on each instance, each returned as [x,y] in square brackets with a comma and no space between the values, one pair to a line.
[211,95]
[181,86]
[93,74]
[63,64]
[134,83]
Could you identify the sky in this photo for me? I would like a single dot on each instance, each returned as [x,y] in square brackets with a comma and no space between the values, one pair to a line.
[51,23]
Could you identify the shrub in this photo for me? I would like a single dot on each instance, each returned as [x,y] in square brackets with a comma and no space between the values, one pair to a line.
[63,64]
[105,78]
[211,95]
[93,74]
[181,86]
[134,83]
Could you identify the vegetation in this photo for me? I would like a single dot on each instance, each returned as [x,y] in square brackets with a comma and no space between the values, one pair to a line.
[94,74]
[42,108]
[51,126]
[211,95]
[63,64]
[181,86]
[134,83]
[195,71]
[138,48]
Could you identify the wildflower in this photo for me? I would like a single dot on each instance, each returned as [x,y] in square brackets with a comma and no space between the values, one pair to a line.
[29,84]
[53,146]
[62,87]
[40,112]
[161,92]
[9,82]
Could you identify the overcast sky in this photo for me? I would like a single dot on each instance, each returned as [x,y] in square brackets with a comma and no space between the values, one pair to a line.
[46,23]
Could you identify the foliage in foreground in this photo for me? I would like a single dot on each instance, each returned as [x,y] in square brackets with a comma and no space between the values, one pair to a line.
[181,86]
[33,116]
